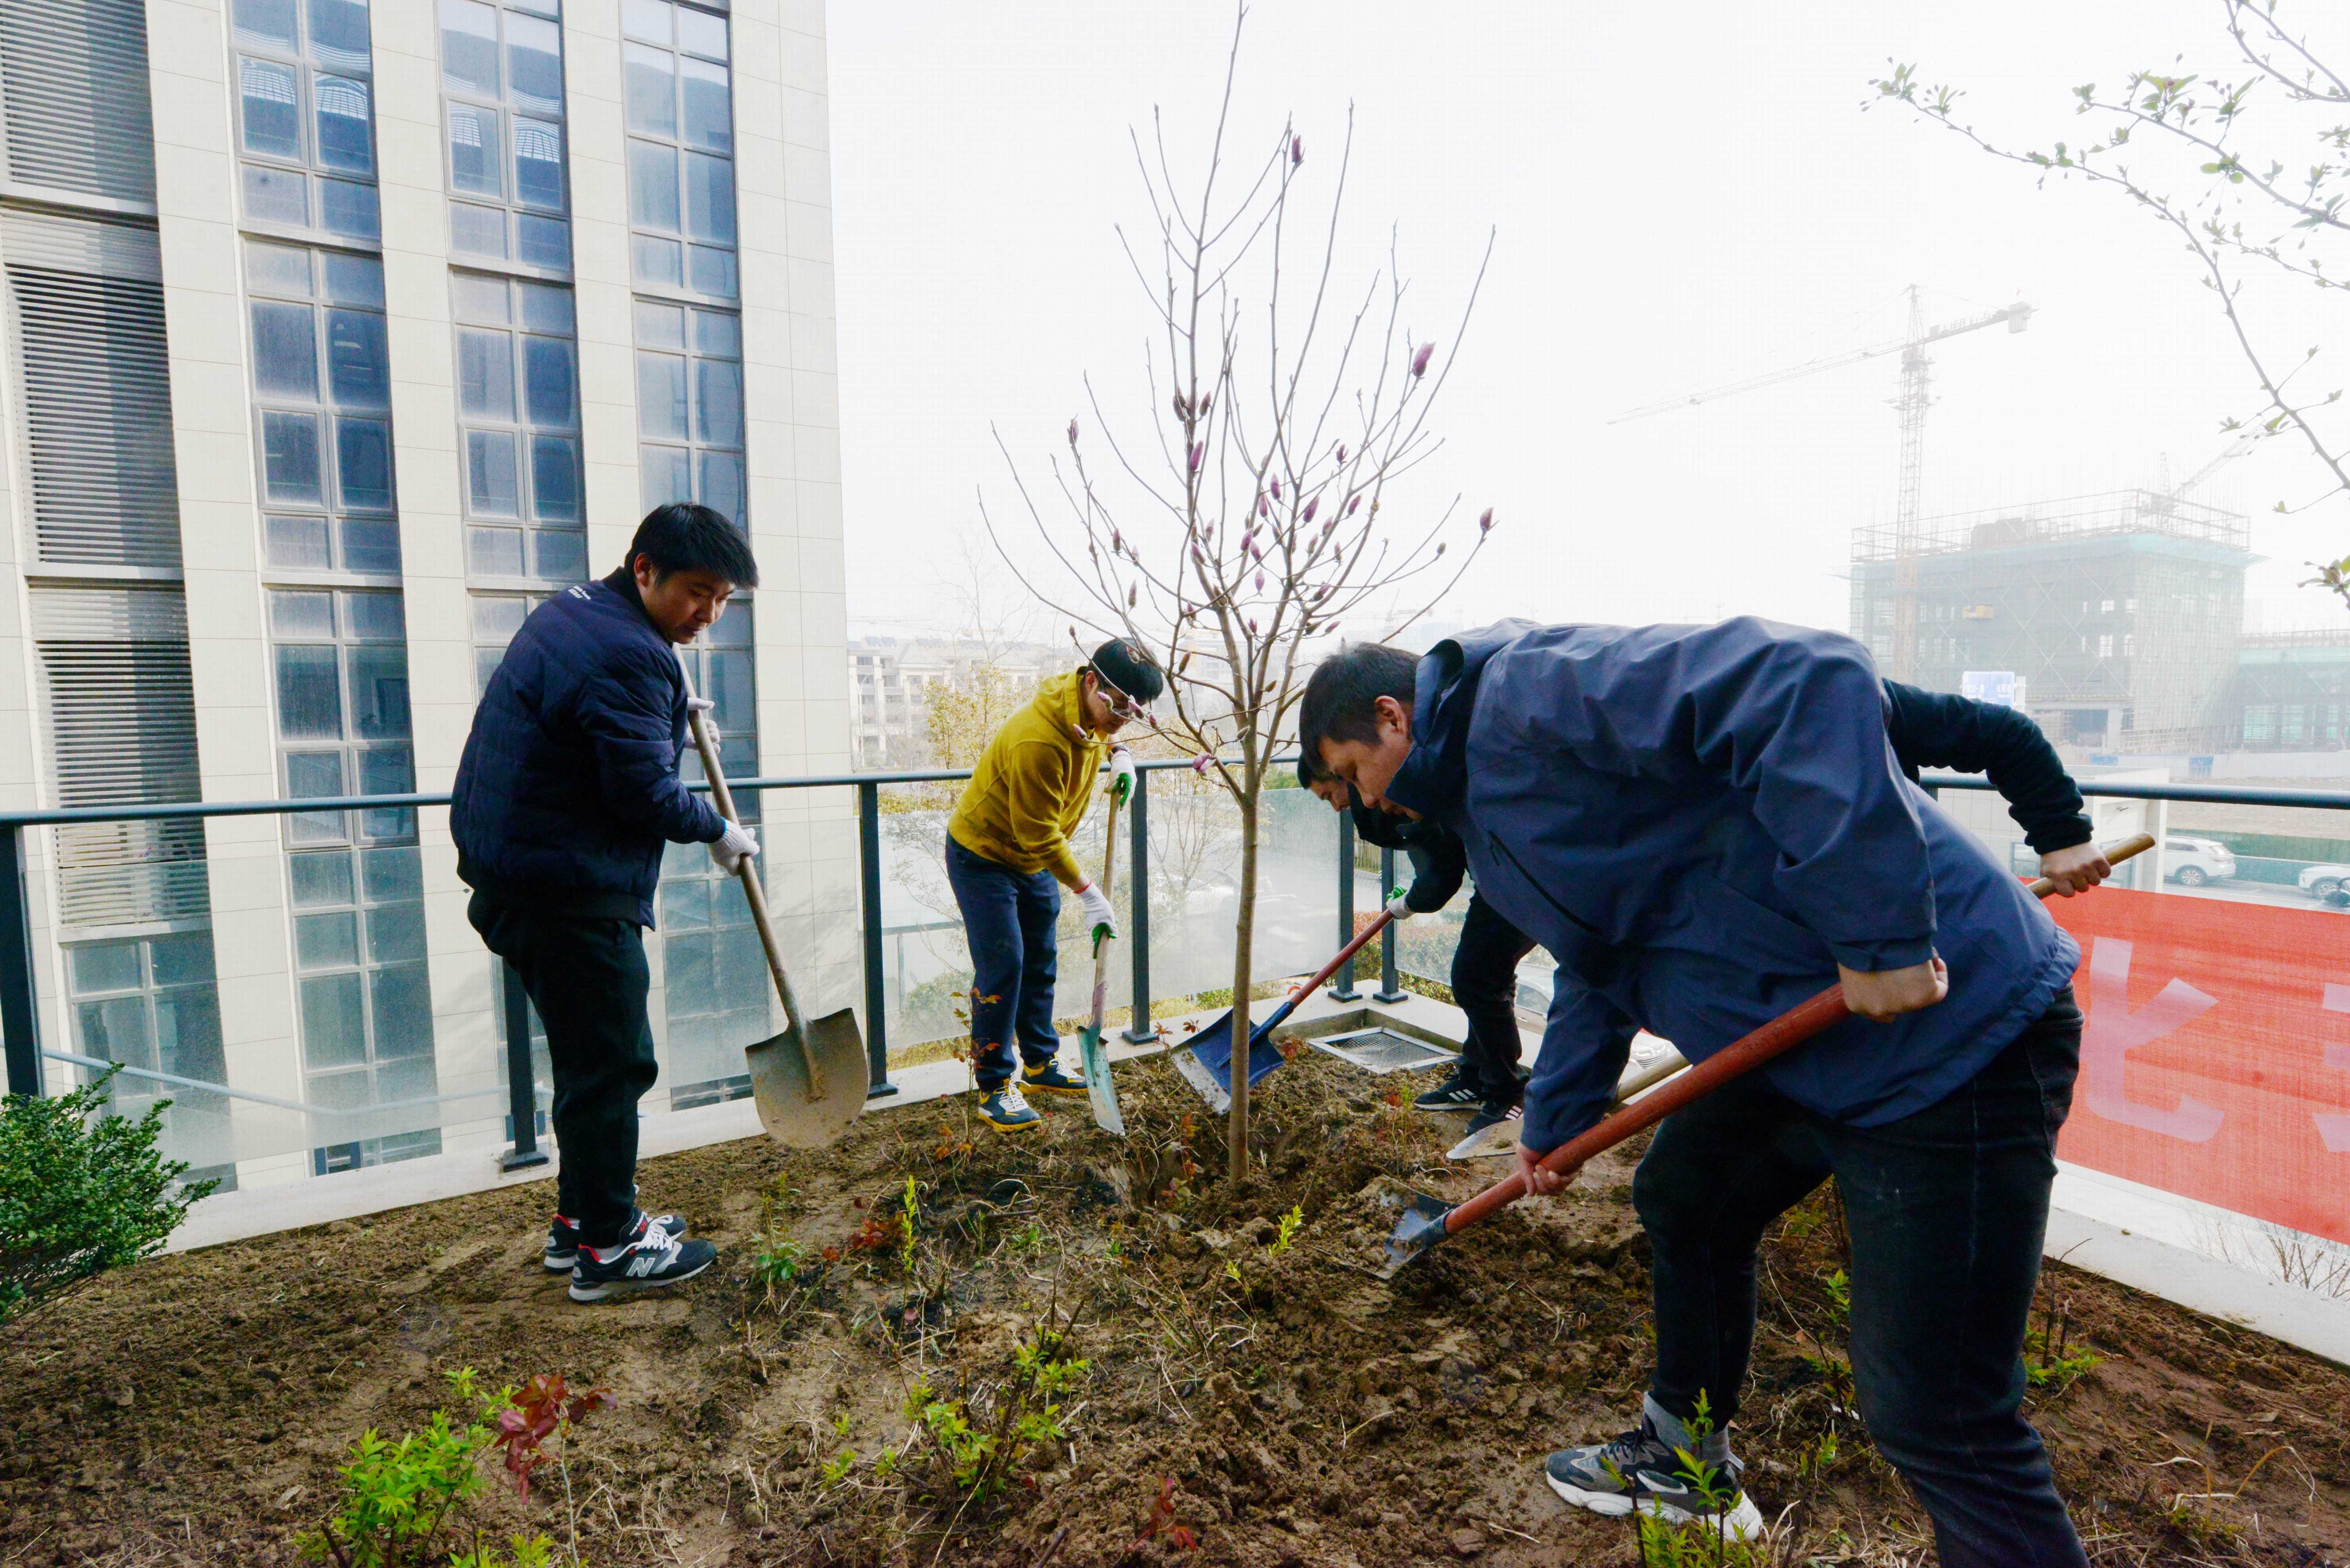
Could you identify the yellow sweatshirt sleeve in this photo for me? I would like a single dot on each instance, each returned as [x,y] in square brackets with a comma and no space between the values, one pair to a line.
[1033,811]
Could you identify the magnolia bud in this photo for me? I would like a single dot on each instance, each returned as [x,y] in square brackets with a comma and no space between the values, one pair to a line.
[1296,151]
[1115,543]
[1263,507]
[1311,507]
[1276,489]
[1073,432]
[1202,763]
[1132,594]
[1205,398]
[1440,549]
[1419,358]
[1357,501]
[1199,451]
[1260,579]
[1342,451]
[1485,524]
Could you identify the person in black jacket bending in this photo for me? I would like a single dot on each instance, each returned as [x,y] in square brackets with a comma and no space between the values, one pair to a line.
[1928,729]
[567,791]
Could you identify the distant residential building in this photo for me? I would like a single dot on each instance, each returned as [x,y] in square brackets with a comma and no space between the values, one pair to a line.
[888,677]
[2291,692]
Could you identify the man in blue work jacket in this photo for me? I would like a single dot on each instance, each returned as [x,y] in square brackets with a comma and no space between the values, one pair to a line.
[1705,825]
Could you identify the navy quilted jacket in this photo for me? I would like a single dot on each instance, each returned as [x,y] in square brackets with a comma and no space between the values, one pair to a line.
[569,786]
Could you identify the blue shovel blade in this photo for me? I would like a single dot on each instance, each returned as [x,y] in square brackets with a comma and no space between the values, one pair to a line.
[1209,1064]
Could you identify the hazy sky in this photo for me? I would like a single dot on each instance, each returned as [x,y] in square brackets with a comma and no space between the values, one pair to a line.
[1683,196]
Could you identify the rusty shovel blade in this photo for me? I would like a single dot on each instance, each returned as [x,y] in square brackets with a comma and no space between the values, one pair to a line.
[803,1112]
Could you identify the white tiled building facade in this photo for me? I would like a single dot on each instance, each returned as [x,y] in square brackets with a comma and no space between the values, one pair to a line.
[397,318]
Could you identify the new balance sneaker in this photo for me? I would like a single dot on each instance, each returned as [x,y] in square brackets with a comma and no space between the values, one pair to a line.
[562,1239]
[1007,1110]
[646,1257]
[1644,1469]
[1457,1093]
[1492,1112]
[1049,1079]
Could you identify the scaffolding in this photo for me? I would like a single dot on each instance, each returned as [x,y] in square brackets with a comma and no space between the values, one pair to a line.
[2120,613]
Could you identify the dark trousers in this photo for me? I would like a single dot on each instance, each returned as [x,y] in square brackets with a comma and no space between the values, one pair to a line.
[1008,917]
[589,980]
[1485,987]
[1946,1208]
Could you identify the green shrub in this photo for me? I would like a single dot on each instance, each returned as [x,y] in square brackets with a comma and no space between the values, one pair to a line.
[81,1192]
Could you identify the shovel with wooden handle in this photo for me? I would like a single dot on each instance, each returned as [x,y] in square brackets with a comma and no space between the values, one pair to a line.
[809,1081]
[1099,1090]
[1427,1221]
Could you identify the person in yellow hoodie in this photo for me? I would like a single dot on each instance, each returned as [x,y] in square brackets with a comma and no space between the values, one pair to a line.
[1008,858]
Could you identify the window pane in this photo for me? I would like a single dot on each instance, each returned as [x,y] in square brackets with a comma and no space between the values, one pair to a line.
[309,706]
[713,272]
[404,1019]
[321,878]
[656,261]
[358,364]
[718,333]
[376,617]
[647,19]
[661,395]
[485,664]
[395,934]
[701,33]
[334,1030]
[485,374]
[392,875]
[542,241]
[363,465]
[479,298]
[718,402]
[273,122]
[344,208]
[299,542]
[378,694]
[326,941]
[490,478]
[301,615]
[546,308]
[560,557]
[495,552]
[721,484]
[275,195]
[469,46]
[710,198]
[477,231]
[659,326]
[370,545]
[547,363]
[290,456]
[649,88]
[387,770]
[534,63]
[730,687]
[266,20]
[106,966]
[554,480]
[338,33]
[342,106]
[652,186]
[315,775]
[497,617]
[183,960]
[474,151]
[538,164]
[707,123]
[278,269]
[284,350]
[354,280]
[666,475]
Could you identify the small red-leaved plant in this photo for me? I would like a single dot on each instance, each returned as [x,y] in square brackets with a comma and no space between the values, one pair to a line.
[1161,1520]
[542,1408]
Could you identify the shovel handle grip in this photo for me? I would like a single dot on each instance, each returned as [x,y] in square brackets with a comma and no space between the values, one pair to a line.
[755,892]
[1776,1038]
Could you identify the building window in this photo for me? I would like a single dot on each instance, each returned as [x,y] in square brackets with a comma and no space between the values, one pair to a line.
[2290,719]
[2104,606]
[689,407]
[2260,721]
[715,972]
[2129,645]
[518,412]
[502,77]
[496,618]
[305,115]
[681,148]
[149,1002]
[2104,645]
[322,381]
[2129,607]
[341,667]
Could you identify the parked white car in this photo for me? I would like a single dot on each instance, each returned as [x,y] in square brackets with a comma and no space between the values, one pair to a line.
[2192,862]
[2321,882]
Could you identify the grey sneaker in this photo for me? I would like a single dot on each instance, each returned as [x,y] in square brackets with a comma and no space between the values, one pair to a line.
[1642,1470]
[562,1239]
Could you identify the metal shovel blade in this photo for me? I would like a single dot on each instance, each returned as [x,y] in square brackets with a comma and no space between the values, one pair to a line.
[793,1114]
[1421,1227]
[1207,1064]
[1095,1057]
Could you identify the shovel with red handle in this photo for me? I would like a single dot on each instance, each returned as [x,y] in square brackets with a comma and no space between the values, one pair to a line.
[1427,1221]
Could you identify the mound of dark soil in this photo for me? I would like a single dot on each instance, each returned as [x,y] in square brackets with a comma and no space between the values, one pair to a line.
[1244,1399]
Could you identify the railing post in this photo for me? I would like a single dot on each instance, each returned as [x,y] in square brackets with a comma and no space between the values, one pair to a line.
[522,1079]
[18,1020]
[1137,895]
[876,999]
[1390,987]
[1344,990]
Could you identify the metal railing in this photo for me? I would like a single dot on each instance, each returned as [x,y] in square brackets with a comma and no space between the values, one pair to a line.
[19,1018]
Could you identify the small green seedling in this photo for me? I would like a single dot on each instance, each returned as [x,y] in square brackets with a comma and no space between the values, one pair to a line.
[1289,1224]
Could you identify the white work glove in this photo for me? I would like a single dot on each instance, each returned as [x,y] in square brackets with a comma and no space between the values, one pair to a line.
[1398,908]
[1099,917]
[699,704]
[1121,775]
[736,844]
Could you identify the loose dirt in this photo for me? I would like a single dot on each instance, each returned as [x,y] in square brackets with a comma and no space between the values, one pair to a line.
[1243,1402]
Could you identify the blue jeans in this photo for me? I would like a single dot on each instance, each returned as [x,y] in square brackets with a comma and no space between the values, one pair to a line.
[1946,1209]
[1008,918]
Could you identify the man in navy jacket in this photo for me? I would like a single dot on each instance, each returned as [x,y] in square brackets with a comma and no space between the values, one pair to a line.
[1704,826]
[565,796]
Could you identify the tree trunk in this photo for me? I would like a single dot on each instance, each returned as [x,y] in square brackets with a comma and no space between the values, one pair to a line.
[1238,1135]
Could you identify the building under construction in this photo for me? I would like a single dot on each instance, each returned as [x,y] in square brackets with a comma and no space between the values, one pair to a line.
[2120,615]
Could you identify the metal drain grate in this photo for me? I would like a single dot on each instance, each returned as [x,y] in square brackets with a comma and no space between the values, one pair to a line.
[1383,1050]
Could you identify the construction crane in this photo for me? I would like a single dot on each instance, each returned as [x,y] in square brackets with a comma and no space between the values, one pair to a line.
[2164,500]
[1911,403]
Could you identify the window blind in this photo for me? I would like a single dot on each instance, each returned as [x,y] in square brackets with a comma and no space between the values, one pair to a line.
[74,77]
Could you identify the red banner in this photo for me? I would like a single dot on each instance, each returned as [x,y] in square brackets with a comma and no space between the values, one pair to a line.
[2216,1059]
